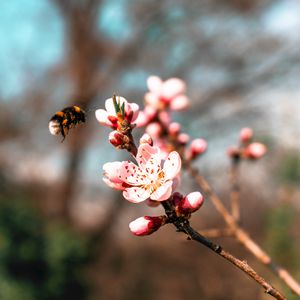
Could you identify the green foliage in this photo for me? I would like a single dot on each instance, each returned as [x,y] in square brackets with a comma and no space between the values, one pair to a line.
[280,243]
[289,170]
[38,261]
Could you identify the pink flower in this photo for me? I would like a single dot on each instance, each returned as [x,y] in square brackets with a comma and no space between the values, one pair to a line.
[166,93]
[146,225]
[246,135]
[110,117]
[255,150]
[152,178]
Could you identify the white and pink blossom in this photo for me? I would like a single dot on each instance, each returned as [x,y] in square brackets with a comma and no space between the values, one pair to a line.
[109,116]
[152,177]
[166,93]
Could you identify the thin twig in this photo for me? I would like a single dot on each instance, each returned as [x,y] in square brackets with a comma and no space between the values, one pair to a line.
[241,235]
[216,232]
[235,189]
[183,225]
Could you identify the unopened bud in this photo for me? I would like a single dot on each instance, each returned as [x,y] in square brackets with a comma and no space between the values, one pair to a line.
[154,129]
[246,135]
[255,150]
[197,147]
[146,139]
[183,138]
[174,128]
[146,225]
[165,118]
[190,203]
[116,138]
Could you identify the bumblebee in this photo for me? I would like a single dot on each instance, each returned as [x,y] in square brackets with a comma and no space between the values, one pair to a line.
[65,119]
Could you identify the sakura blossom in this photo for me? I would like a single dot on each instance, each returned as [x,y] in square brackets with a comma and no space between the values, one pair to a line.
[111,117]
[169,93]
[152,177]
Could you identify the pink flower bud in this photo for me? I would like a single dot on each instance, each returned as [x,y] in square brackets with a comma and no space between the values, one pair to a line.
[233,152]
[154,129]
[183,138]
[190,203]
[165,118]
[197,147]
[246,135]
[146,225]
[146,139]
[116,138]
[255,150]
[174,128]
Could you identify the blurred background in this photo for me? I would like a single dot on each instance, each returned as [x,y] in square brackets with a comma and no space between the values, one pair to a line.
[63,233]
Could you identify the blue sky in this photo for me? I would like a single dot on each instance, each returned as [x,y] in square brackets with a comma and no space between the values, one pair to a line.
[32,36]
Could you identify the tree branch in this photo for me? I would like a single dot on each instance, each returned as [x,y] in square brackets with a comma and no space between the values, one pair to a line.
[183,225]
[240,234]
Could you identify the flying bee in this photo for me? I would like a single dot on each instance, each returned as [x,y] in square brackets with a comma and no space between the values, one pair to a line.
[65,119]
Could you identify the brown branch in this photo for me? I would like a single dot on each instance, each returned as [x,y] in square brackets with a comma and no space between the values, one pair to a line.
[216,232]
[235,189]
[241,235]
[183,225]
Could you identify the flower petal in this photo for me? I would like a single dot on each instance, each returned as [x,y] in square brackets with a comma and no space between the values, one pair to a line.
[172,87]
[179,103]
[135,108]
[154,84]
[132,174]
[110,107]
[163,192]
[102,117]
[136,194]
[112,171]
[172,165]
[147,152]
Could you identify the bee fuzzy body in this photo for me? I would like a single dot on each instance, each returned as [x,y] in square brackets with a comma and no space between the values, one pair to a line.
[65,119]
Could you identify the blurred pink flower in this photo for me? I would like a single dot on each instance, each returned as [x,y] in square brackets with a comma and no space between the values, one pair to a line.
[151,178]
[166,93]
[197,147]
[109,116]
[246,135]
[255,150]
[146,225]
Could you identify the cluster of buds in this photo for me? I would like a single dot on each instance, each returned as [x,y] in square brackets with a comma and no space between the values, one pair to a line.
[247,149]
[120,115]
[155,173]
[183,207]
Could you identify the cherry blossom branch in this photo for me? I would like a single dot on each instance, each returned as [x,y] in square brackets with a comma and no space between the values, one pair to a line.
[183,225]
[240,234]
